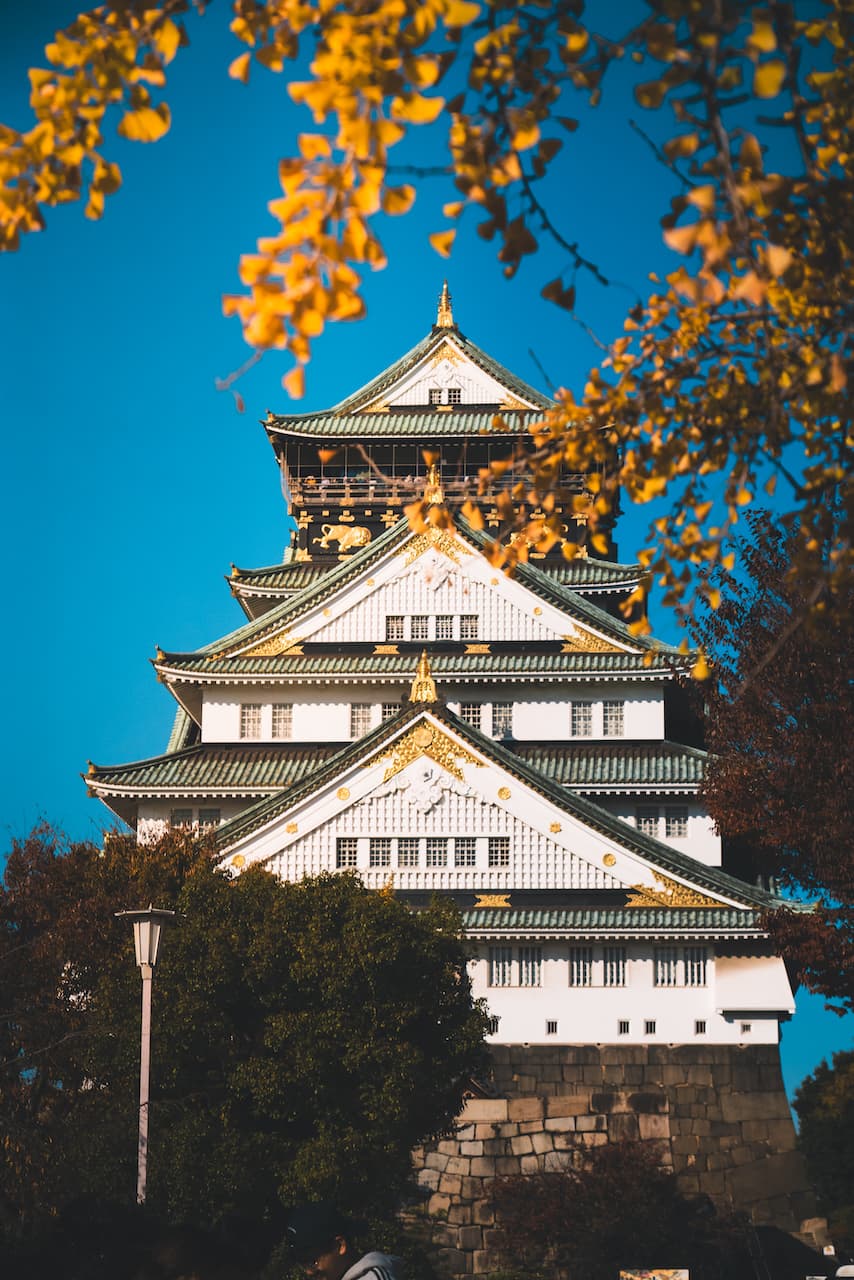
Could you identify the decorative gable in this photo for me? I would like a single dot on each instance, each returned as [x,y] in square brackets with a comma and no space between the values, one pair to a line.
[445,377]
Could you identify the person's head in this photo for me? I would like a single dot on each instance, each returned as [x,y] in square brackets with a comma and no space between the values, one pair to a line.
[320,1240]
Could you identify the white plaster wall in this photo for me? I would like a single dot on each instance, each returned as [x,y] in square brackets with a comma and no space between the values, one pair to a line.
[153,815]
[702,841]
[544,714]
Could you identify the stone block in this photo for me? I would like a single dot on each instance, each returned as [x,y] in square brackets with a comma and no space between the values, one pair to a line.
[736,1107]
[483,1167]
[594,1139]
[541,1142]
[471,1148]
[712,1184]
[560,1124]
[522,1145]
[779,1134]
[780,1174]
[492,1239]
[455,1262]
[556,1161]
[685,1144]
[483,1213]
[507,1166]
[458,1164]
[588,1124]
[450,1184]
[428,1178]
[482,1262]
[472,1188]
[525,1108]
[437,1207]
[700,1075]
[483,1132]
[459,1214]
[568,1105]
[529,1164]
[494,1147]
[464,1132]
[470,1238]
[447,1147]
[648,1102]
[481,1110]
[566,1141]
[434,1161]
[623,1127]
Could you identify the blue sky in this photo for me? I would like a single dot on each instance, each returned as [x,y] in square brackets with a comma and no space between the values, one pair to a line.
[130,483]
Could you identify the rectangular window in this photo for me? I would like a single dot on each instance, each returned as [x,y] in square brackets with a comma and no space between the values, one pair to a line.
[181,818]
[208,818]
[444,626]
[455,395]
[551,1027]
[502,719]
[419,627]
[407,852]
[612,719]
[435,395]
[283,720]
[623,1027]
[666,967]
[394,627]
[581,719]
[500,966]
[646,820]
[580,966]
[437,851]
[465,851]
[469,626]
[695,966]
[676,822]
[746,1028]
[250,720]
[470,713]
[700,1027]
[649,1027]
[361,715]
[379,852]
[614,966]
[530,966]
[492,1025]
[346,851]
[499,851]
[389,709]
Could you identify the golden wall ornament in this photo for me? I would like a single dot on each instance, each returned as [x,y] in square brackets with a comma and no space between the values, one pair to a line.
[503,793]
[609,860]
[668,893]
[426,741]
[281,642]
[554,827]
[292,828]
[343,793]
[585,642]
[238,861]
[423,686]
[445,542]
[492,900]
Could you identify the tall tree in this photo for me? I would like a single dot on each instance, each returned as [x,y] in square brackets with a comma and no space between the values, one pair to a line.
[730,376]
[825,1106]
[780,784]
[306,1036]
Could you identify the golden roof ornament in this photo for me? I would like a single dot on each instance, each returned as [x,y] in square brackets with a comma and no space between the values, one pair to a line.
[434,494]
[423,686]
[445,316]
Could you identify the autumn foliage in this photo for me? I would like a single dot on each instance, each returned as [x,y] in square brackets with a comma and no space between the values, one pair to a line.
[731,378]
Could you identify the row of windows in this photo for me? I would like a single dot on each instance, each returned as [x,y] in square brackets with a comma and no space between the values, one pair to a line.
[281,719]
[624,1026]
[454,395]
[649,820]
[424,626]
[189,818]
[421,851]
[673,967]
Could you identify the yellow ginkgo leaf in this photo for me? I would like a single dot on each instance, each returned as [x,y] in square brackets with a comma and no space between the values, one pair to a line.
[442,241]
[145,125]
[700,669]
[294,382]
[417,109]
[768,80]
[398,199]
[239,68]
[459,13]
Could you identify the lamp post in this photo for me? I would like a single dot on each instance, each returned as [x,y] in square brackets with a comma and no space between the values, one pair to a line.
[147,928]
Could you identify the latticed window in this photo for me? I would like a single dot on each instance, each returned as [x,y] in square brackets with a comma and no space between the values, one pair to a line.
[613,719]
[492,1025]
[700,1027]
[444,626]
[666,967]
[695,966]
[676,822]
[419,626]
[181,818]
[208,818]
[614,966]
[501,966]
[250,720]
[646,819]
[283,719]
[469,626]
[530,966]
[551,1027]
[407,851]
[455,395]
[623,1027]
[649,1027]
[502,719]
[499,851]
[581,719]
[346,851]
[470,713]
[379,852]
[465,851]
[435,395]
[361,714]
[580,966]
[437,851]
[394,626]
[389,709]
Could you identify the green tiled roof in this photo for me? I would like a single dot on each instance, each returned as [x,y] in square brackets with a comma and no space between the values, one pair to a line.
[624,919]
[592,815]
[261,769]
[214,767]
[426,424]
[326,667]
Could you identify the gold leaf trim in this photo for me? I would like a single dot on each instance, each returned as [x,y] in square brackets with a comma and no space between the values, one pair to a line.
[609,860]
[668,893]
[445,542]
[585,642]
[554,827]
[424,741]
[271,647]
[292,828]
[343,793]
[477,648]
[386,648]
[492,900]
[503,793]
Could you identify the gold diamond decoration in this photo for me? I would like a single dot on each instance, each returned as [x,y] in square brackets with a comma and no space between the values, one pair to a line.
[443,541]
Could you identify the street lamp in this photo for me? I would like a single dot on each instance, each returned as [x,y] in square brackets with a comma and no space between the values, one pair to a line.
[147,928]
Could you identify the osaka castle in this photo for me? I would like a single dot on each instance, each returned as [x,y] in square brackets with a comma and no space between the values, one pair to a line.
[394,705]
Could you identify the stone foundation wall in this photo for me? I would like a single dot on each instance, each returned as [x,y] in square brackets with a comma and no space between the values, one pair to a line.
[719,1113]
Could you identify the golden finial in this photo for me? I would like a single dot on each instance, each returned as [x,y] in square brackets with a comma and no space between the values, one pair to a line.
[433,491]
[423,686]
[445,316]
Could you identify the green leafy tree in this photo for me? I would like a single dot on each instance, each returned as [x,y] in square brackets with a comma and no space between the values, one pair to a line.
[825,1106]
[730,376]
[779,784]
[306,1036]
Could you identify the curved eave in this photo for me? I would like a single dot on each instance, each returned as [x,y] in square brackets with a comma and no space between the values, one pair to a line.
[620,923]
[456,423]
